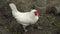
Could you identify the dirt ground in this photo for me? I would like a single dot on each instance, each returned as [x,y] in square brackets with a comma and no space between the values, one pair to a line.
[47,23]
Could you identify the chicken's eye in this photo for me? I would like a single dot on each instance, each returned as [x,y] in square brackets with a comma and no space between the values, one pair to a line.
[36,13]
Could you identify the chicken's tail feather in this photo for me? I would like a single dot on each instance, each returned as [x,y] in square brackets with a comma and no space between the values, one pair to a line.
[13,6]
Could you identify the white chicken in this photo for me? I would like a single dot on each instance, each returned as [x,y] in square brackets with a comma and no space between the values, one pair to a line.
[26,18]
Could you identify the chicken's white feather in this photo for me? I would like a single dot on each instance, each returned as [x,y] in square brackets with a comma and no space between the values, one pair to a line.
[26,18]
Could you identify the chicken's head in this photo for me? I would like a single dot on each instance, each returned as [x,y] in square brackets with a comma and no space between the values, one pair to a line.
[36,12]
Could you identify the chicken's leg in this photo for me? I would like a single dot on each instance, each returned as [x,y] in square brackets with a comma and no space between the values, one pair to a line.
[25,28]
